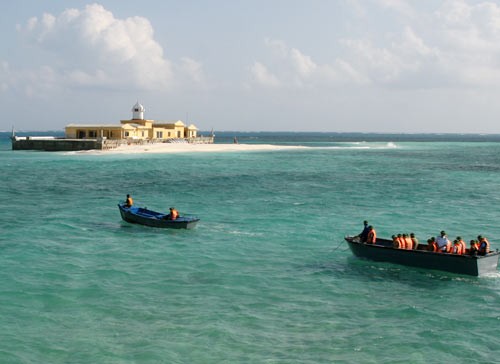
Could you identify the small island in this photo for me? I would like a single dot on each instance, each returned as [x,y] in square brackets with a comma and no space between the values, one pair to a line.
[136,131]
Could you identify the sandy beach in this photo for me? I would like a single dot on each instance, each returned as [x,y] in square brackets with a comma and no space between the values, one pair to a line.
[189,148]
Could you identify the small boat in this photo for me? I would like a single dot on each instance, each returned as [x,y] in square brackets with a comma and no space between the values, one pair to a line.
[143,216]
[382,250]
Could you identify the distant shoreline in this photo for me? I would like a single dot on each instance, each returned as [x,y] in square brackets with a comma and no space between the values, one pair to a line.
[301,138]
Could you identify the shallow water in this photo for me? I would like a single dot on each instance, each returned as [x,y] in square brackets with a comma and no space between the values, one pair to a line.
[265,276]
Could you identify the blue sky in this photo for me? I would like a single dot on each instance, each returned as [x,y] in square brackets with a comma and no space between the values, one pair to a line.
[345,65]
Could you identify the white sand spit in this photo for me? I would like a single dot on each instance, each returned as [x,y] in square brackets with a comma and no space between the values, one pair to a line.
[188,148]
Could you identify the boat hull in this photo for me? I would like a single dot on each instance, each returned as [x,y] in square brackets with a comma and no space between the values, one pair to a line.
[142,216]
[459,264]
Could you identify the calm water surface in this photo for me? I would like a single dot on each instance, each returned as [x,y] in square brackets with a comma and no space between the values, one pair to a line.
[265,276]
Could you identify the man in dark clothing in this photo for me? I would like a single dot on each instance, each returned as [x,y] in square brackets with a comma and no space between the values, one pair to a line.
[364,234]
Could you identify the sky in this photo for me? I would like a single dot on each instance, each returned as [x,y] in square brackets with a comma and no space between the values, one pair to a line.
[388,66]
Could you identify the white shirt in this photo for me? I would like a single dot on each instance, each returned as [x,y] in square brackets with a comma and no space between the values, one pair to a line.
[442,241]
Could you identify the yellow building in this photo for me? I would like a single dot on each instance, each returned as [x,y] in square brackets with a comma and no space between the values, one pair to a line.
[136,129]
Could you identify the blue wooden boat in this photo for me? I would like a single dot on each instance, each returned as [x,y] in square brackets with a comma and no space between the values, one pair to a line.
[382,250]
[143,216]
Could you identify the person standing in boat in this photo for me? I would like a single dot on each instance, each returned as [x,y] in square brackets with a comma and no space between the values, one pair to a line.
[444,244]
[129,202]
[372,235]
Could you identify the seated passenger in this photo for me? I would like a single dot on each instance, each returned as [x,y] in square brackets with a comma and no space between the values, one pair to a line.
[129,202]
[484,245]
[372,235]
[408,242]
[473,248]
[444,244]
[461,242]
[174,214]
[363,235]
[414,240]
[402,242]
[457,247]
[432,245]
[396,243]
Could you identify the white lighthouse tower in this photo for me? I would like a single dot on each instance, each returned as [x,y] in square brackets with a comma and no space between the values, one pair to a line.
[138,111]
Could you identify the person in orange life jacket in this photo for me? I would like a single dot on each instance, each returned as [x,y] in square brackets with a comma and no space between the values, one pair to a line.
[408,242]
[444,244]
[372,235]
[364,234]
[474,247]
[396,243]
[484,245]
[432,245]
[414,240]
[462,245]
[457,247]
[129,202]
[402,242]
[174,214]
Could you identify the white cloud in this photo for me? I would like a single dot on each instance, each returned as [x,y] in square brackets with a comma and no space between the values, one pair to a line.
[263,77]
[37,82]
[400,6]
[193,70]
[93,48]
[97,49]
[469,36]
[458,45]
[290,67]
[304,65]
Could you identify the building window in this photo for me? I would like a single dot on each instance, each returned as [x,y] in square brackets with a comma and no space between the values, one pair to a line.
[142,133]
[159,134]
[92,133]
[126,134]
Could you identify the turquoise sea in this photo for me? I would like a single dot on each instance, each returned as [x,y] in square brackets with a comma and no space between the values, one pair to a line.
[265,277]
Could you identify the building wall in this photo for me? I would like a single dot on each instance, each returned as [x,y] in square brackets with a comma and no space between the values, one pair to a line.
[132,129]
[54,145]
[93,132]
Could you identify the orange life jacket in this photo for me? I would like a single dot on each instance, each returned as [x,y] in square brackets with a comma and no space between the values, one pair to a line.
[372,237]
[409,243]
[129,202]
[402,242]
[396,243]
[473,248]
[174,214]
[448,248]
[433,247]
[463,245]
[484,246]
[459,248]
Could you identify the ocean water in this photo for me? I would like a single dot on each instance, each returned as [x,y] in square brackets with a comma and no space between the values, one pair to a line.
[265,277]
